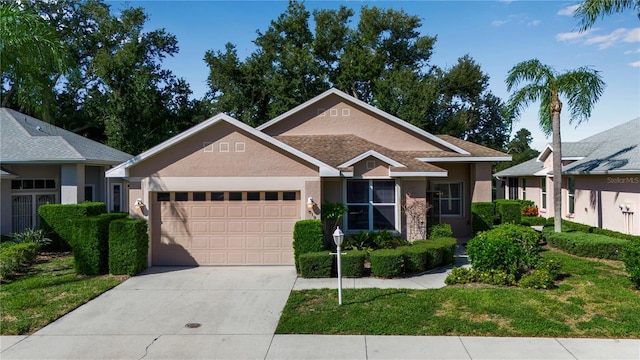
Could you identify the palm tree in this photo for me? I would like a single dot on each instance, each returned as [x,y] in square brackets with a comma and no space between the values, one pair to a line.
[31,54]
[590,10]
[582,89]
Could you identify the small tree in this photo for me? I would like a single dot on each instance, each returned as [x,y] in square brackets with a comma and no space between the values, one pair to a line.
[331,215]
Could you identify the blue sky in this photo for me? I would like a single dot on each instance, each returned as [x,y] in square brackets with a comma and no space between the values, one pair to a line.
[496,34]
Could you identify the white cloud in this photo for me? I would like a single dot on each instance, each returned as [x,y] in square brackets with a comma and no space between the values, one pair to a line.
[497,23]
[628,52]
[568,11]
[534,23]
[573,35]
[635,64]
[622,34]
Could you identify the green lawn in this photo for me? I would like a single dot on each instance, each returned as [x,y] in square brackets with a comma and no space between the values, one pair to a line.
[594,299]
[46,292]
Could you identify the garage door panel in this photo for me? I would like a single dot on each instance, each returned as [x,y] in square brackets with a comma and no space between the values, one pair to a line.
[248,232]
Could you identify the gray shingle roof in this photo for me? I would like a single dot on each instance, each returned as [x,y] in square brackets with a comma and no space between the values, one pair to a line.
[613,151]
[27,139]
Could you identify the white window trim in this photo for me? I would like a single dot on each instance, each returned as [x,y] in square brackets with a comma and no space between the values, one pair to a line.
[543,194]
[370,203]
[111,197]
[462,198]
[570,196]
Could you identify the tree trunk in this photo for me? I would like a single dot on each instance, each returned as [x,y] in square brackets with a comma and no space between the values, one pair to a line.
[556,107]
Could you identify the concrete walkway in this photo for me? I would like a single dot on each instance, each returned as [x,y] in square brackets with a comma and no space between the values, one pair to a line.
[235,311]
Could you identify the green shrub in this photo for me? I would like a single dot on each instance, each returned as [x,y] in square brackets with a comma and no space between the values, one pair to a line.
[510,248]
[537,279]
[441,251]
[359,241]
[353,263]
[307,237]
[614,234]
[631,258]
[90,243]
[14,256]
[440,230]
[385,239]
[57,220]
[551,266]
[482,214]
[508,211]
[416,258]
[533,221]
[316,264]
[495,277]
[586,244]
[128,246]
[460,275]
[386,263]
[36,236]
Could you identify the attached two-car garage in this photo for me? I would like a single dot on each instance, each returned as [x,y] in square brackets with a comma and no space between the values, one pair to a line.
[223,227]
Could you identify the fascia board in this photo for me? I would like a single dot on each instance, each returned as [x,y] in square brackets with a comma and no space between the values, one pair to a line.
[419,173]
[371,108]
[465,159]
[372,153]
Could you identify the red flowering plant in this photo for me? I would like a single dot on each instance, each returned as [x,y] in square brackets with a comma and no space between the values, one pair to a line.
[530,211]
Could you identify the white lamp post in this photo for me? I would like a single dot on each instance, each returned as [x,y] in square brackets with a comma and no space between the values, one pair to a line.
[338,237]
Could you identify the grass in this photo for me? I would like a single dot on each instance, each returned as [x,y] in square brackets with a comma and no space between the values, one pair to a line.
[45,292]
[594,299]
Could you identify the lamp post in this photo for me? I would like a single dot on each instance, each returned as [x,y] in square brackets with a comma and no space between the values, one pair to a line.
[338,237]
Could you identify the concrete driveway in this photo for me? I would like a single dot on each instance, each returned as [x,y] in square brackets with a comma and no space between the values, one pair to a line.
[234,312]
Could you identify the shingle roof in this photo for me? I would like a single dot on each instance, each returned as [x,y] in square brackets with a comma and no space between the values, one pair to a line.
[474,149]
[27,139]
[614,151]
[335,150]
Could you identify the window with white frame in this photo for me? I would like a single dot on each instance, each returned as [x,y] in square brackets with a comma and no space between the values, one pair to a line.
[371,204]
[543,193]
[513,188]
[523,182]
[450,199]
[571,193]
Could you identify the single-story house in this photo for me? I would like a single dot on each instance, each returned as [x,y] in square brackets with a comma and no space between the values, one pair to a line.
[41,163]
[600,180]
[223,192]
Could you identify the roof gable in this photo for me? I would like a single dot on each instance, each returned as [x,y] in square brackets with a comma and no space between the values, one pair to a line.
[25,139]
[404,126]
[122,170]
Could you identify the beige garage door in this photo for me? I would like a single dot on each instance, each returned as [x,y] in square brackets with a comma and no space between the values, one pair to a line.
[224,228]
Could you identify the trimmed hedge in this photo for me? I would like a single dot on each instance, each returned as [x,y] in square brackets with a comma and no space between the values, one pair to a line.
[353,263]
[508,211]
[307,237]
[387,263]
[57,220]
[440,230]
[631,258]
[586,245]
[90,243]
[15,256]
[513,249]
[482,214]
[533,221]
[417,258]
[128,246]
[316,264]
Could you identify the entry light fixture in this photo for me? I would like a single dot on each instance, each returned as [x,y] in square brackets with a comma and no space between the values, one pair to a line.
[310,204]
[138,204]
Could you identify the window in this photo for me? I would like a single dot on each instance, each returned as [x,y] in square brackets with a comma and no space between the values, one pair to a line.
[217,196]
[163,196]
[513,188]
[116,197]
[88,192]
[199,196]
[182,196]
[543,191]
[271,195]
[450,202]
[289,196]
[371,204]
[235,196]
[571,191]
[253,196]
[523,182]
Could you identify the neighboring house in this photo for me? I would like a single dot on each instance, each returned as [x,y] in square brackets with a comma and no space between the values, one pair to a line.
[600,183]
[223,192]
[42,163]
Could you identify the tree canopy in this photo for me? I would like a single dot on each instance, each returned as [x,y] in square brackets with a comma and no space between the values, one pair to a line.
[382,60]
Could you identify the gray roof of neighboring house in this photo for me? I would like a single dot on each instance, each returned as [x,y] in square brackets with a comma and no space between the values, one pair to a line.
[613,151]
[27,139]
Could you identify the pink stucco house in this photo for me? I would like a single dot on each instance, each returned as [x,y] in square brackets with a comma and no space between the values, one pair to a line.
[223,192]
[600,183]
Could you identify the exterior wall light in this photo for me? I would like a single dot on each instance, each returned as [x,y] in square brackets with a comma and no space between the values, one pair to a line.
[138,204]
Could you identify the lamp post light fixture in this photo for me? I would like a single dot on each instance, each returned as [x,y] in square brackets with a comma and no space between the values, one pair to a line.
[338,237]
